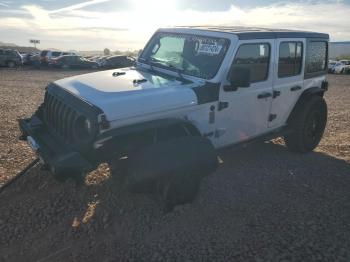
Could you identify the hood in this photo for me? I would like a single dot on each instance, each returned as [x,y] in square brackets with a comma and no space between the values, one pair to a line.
[119,94]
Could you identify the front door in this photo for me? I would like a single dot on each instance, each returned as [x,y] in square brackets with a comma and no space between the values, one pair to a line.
[247,112]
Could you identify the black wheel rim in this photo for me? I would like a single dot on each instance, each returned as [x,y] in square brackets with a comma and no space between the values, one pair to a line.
[314,127]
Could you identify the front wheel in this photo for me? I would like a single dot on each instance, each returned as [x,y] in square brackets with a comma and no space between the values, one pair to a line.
[76,176]
[119,169]
[181,189]
[308,126]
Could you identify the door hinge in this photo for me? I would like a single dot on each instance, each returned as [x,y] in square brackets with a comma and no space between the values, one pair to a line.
[272,117]
[276,94]
[222,106]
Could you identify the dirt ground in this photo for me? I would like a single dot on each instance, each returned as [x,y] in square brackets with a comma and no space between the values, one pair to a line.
[263,203]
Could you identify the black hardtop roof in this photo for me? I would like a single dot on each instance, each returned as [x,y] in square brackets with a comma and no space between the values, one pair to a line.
[245,33]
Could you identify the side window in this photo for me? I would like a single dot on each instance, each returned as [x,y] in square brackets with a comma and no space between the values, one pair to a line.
[290,59]
[1,52]
[316,59]
[256,58]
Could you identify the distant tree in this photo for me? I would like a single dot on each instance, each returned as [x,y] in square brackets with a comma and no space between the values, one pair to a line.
[106,51]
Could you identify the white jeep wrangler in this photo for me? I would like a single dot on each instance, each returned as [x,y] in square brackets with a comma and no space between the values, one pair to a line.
[192,90]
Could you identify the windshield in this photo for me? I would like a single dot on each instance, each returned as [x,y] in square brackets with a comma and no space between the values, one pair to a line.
[198,56]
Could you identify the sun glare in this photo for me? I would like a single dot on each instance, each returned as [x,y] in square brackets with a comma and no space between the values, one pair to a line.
[153,14]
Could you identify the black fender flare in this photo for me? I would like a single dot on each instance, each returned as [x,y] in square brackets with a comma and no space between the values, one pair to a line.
[143,126]
[116,141]
[304,97]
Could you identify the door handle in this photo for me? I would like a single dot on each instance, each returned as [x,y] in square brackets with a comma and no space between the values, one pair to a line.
[295,88]
[264,95]
[276,94]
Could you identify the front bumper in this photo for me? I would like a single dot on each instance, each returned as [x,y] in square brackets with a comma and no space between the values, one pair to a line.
[57,155]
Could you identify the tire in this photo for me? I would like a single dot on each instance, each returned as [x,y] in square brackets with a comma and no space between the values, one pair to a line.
[171,169]
[11,64]
[181,189]
[308,126]
[119,169]
[76,177]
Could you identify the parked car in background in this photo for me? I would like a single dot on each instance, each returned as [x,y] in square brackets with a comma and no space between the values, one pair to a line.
[43,54]
[118,61]
[100,60]
[331,64]
[23,56]
[27,58]
[52,55]
[72,61]
[47,55]
[339,68]
[346,70]
[10,58]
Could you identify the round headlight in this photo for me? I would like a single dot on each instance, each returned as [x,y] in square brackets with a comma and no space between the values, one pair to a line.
[83,128]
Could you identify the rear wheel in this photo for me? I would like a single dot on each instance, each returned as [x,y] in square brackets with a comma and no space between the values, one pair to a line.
[308,126]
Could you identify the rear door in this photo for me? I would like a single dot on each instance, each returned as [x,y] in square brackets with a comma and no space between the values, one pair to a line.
[247,111]
[288,79]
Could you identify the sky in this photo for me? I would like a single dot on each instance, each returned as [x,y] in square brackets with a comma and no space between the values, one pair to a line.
[127,24]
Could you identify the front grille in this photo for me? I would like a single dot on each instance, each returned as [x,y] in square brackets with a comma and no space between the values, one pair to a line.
[59,116]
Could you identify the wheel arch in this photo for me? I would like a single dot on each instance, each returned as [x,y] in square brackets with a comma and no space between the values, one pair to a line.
[304,97]
[129,136]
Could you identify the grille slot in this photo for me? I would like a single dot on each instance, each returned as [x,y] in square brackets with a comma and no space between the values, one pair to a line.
[59,116]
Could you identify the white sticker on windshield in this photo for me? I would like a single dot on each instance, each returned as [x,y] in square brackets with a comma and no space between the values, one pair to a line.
[209,49]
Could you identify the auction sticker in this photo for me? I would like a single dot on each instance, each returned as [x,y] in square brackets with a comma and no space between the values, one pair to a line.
[209,49]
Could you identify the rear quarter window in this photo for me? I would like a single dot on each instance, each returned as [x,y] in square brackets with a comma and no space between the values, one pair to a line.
[316,56]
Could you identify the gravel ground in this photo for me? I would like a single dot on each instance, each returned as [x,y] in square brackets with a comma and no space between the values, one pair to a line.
[263,204]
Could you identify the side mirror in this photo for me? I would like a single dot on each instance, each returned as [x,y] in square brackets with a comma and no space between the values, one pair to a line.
[239,77]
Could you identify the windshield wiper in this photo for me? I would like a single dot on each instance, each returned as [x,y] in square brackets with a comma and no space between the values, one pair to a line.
[151,62]
[178,70]
[155,62]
